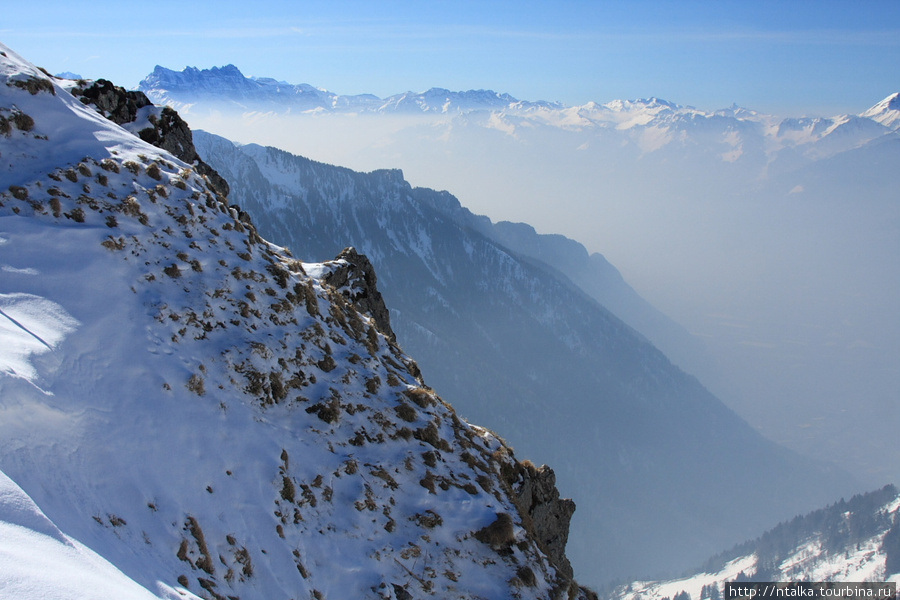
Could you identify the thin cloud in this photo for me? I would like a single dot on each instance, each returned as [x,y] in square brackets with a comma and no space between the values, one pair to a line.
[218,33]
[399,30]
[829,37]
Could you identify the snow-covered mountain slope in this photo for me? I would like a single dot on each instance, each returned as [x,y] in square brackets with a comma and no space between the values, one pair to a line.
[516,345]
[185,400]
[886,112]
[849,541]
[37,561]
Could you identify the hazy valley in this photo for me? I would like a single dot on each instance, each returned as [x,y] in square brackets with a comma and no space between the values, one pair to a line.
[767,238]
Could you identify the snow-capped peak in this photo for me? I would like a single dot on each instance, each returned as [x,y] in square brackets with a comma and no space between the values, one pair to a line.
[886,112]
[440,100]
[651,103]
[227,84]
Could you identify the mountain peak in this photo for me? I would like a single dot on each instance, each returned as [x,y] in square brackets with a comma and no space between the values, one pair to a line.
[214,80]
[886,112]
[891,102]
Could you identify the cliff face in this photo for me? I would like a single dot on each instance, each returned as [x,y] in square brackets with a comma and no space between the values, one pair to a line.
[545,512]
[353,274]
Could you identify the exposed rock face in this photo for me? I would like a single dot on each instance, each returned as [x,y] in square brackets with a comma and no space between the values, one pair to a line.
[113,102]
[164,127]
[356,279]
[173,134]
[540,506]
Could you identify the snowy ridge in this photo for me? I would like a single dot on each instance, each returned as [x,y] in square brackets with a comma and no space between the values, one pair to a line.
[850,541]
[78,128]
[205,415]
[440,100]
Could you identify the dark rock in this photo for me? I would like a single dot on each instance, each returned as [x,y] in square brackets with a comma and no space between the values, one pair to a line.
[357,281]
[172,133]
[545,513]
[499,534]
[401,593]
[115,103]
[167,131]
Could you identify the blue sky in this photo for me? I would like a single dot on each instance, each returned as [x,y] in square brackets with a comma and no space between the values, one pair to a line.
[789,57]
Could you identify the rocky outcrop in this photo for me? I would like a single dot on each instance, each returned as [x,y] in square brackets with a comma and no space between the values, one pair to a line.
[545,512]
[163,128]
[545,515]
[113,102]
[354,276]
[171,133]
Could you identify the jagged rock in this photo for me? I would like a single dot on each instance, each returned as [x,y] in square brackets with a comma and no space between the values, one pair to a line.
[356,278]
[115,103]
[166,130]
[548,515]
[173,134]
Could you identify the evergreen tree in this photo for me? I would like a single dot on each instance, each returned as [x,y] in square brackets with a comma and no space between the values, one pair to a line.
[890,545]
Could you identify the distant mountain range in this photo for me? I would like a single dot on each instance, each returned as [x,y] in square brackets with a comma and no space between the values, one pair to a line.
[729,148]
[226,88]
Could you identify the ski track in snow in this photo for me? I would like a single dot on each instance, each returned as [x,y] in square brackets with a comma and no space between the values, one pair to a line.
[30,325]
